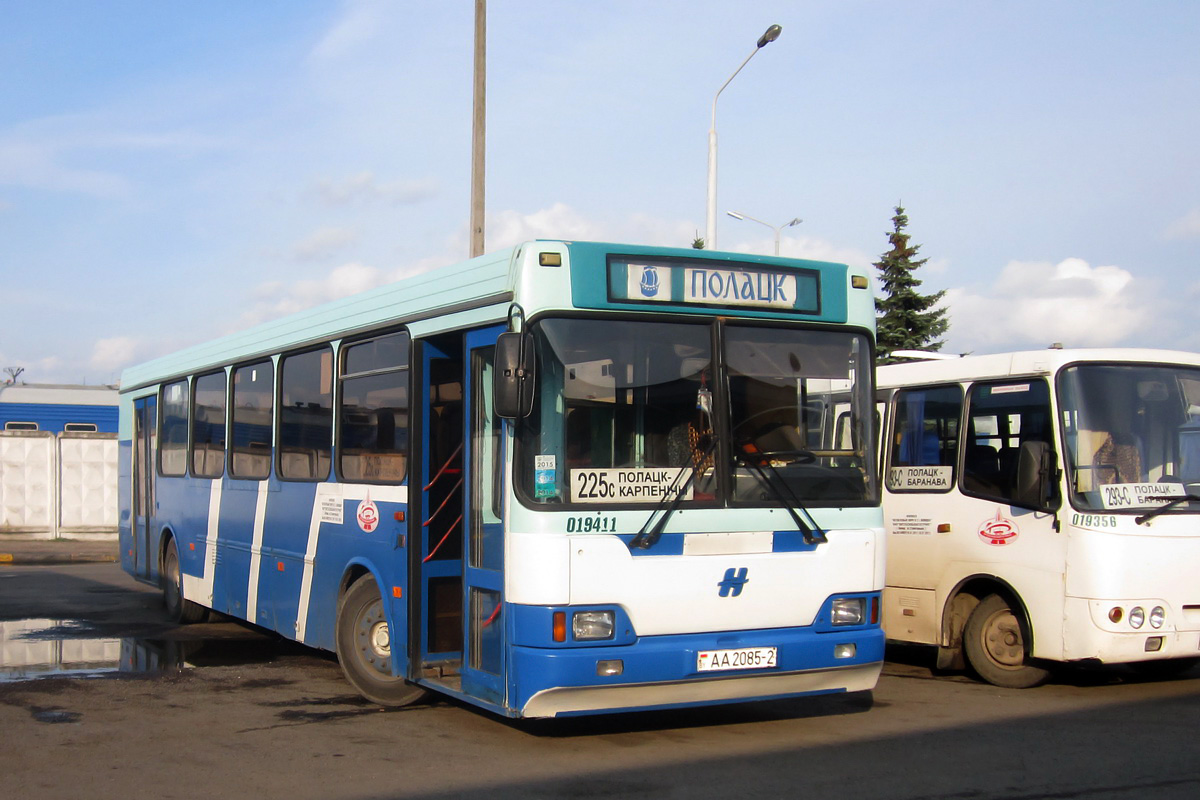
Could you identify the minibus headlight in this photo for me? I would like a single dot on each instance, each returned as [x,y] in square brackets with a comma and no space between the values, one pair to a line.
[587,625]
[848,611]
[1137,616]
[1157,615]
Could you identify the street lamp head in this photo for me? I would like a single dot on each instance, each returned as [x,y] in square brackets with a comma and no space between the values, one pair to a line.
[771,35]
[735,215]
[796,221]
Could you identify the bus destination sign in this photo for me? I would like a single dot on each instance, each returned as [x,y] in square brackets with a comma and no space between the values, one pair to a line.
[714,284]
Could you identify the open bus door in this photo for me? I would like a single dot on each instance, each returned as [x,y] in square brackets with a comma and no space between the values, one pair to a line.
[483,575]
[460,577]
[145,415]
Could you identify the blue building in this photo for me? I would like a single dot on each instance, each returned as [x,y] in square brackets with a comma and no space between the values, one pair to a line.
[58,408]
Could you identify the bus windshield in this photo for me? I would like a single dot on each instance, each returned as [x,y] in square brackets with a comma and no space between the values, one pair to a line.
[626,410]
[1132,435]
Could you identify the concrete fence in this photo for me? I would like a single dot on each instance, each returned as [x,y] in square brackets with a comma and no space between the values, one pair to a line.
[58,486]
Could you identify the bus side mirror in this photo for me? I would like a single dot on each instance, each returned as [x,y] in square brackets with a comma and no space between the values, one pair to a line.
[1036,474]
[515,371]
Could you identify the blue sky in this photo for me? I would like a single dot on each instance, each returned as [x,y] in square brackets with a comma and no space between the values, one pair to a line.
[170,172]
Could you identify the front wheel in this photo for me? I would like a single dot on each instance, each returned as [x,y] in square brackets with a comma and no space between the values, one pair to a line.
[995,644]
[364,647]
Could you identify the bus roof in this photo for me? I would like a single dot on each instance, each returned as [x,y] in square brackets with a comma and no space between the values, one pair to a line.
[471,292]
[438,291]
[1026,362]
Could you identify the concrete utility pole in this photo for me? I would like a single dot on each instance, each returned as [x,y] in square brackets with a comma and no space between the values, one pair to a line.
[477,129]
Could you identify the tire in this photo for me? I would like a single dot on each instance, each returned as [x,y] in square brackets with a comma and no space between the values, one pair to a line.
[364,647]
[996,646]
[179,608]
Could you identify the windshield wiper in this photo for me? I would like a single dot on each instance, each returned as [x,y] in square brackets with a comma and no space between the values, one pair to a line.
[674,495]
[644,539]
[1174,501]
[812,533]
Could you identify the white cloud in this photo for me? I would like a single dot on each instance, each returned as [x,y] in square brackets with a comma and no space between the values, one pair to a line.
[37,165]
[813,248]
[365,188]
[361,23]
[114,353]
[1037,303]
[1186,227]
[559,221]
[323,243]
[276,299]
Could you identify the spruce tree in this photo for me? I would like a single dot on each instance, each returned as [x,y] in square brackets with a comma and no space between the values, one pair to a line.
[905,319]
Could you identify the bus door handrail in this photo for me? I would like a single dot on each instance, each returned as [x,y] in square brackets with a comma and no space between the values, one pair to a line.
[445,467]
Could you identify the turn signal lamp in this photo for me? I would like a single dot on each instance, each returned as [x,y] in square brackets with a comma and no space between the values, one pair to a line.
[1115,614]
[559,626]
[550,259]
[858,281]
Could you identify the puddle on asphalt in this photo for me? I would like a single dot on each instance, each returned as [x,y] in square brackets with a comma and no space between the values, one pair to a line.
[44,648]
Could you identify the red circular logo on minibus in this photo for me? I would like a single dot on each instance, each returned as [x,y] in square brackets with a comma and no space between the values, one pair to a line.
[998,531]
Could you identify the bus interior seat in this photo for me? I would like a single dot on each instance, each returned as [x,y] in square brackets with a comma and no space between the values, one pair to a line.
[981,469]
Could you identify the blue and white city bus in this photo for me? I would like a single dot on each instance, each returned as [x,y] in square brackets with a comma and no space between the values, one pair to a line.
[561,479]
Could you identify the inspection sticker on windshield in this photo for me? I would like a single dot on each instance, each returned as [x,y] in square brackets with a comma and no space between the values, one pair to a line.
[632,485]
[1139,495]
[741,658]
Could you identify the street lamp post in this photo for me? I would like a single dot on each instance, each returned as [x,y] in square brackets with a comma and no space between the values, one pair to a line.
[776,228]
[710,234]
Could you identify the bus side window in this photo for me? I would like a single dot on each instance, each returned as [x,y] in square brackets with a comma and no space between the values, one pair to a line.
[253,399]
[1000,418]
[925,435]
[173,441]
[373,410]
[208,425]
[305,416]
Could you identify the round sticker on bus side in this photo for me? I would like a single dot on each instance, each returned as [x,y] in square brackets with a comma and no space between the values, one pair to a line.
[999,531]
[368,515]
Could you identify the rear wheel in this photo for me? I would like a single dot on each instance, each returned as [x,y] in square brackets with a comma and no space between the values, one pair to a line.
[364,647]
[996,648]
[179,608]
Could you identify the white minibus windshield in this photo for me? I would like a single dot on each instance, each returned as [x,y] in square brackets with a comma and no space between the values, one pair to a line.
[1132,434]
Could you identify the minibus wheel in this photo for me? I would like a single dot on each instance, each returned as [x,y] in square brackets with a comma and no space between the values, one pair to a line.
[995,642]
[178,607]
[364,647]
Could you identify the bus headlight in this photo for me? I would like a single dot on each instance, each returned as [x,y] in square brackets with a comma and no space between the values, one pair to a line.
[587,625]
[1157,615]
[1137,616]
[847,611]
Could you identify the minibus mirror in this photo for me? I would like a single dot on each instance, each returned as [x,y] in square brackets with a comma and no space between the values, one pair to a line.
[514,383]
[1035,476]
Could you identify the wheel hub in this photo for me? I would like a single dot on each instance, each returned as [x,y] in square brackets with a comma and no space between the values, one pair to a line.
[381,639]
[1003,642]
